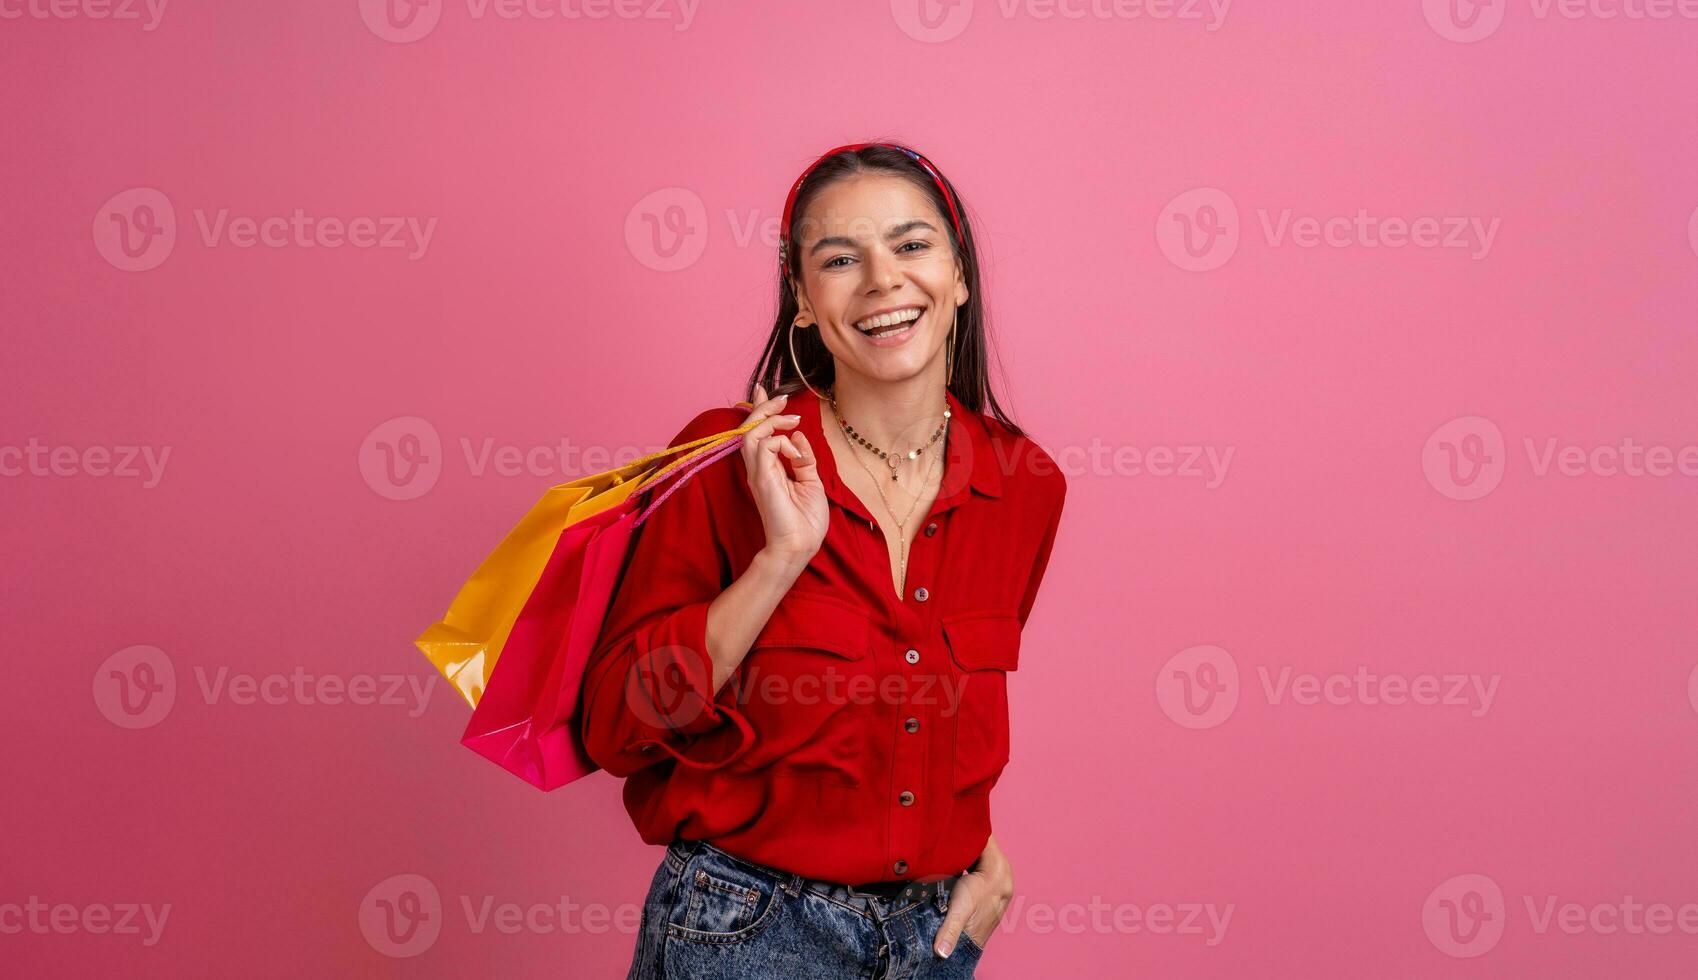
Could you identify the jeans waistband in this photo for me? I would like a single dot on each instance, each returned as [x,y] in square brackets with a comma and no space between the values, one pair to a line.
[891,897]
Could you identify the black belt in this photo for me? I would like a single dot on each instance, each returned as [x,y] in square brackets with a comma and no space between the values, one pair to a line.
[883,889]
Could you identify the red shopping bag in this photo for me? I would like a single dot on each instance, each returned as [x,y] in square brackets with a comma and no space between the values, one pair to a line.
[526,719]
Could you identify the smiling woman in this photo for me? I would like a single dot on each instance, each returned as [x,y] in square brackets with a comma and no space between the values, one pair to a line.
[804,672]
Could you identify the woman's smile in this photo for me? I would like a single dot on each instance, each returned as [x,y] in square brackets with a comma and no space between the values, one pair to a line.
[892,329]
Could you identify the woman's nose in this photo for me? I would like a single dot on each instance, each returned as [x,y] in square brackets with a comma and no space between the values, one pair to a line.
[882,271]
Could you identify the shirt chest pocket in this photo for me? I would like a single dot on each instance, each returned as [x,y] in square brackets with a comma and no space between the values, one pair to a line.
[803,687]
[984,647]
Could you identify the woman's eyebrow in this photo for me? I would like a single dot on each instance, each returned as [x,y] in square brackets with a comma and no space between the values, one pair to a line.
[896,232]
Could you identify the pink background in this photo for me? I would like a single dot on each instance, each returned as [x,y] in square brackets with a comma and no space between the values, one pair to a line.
[545,151]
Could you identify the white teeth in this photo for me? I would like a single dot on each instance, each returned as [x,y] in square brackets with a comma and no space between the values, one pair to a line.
[889,319]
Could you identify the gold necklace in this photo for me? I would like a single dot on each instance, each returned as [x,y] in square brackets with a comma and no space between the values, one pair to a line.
[902,525]
[891,459]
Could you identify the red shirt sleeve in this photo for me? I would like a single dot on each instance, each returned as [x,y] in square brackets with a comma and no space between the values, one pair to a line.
[1041,561]
[647,691]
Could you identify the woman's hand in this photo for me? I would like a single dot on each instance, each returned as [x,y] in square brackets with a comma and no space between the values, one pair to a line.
[977,901]
[791,501]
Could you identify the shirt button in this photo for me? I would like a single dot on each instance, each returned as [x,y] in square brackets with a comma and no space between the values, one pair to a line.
[912,724]
[921,593]
[900,867]
[913,656]
[931,529]
[906,798]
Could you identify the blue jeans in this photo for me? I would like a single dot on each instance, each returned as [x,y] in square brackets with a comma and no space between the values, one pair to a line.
[712,915]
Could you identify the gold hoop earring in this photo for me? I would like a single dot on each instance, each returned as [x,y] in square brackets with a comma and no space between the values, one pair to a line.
[798,364]
[949,351]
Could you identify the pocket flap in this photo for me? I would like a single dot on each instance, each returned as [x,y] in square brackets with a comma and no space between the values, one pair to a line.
[813,622]
[984,640]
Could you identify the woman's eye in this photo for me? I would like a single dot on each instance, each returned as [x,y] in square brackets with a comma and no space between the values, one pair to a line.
[833,263]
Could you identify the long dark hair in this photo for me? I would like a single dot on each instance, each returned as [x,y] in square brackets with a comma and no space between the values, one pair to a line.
[971,382]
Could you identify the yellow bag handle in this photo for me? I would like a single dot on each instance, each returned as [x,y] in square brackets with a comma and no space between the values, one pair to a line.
[698,448]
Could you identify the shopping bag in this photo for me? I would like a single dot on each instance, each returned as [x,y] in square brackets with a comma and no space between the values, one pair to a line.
[466,643]
[526,721]
[517,639]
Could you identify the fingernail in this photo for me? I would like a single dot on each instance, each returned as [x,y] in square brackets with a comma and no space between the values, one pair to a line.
[790,416]
[943,950]
[779,398]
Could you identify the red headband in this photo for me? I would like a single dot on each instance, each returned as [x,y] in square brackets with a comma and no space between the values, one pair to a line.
[790,199]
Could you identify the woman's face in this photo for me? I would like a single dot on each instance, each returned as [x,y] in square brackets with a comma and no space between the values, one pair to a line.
[873,244]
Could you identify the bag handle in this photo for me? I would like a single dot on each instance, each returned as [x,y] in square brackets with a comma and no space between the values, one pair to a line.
[725,449]
[698,448]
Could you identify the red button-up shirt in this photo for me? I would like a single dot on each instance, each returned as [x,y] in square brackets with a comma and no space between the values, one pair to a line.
[860,737]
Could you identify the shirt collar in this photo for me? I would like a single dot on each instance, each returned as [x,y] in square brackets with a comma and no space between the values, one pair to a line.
[970,462]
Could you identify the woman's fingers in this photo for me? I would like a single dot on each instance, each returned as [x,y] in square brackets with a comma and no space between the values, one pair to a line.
[756,443]
[803,464]
[763,405]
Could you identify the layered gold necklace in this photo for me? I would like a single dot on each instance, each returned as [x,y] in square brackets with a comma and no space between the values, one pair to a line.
[893,460]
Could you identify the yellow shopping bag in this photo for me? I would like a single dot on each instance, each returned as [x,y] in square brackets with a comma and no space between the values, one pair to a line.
[466,643]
